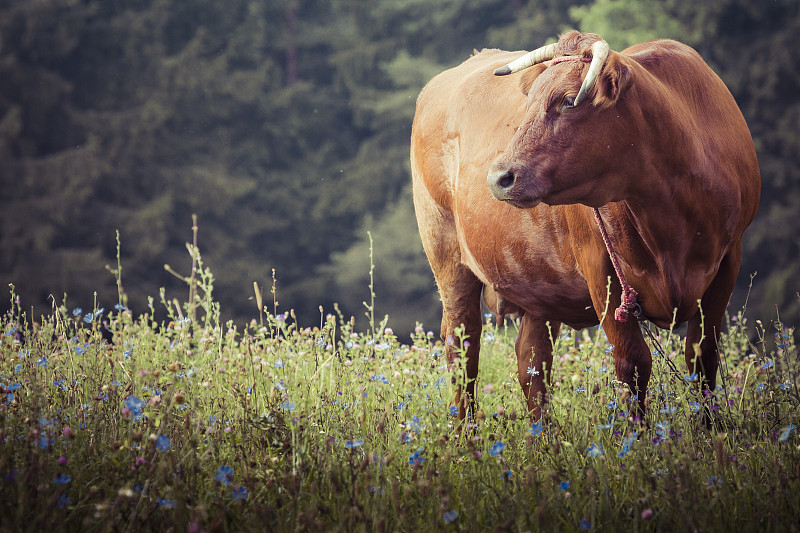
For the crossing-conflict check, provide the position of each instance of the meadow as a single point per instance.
(116, 422)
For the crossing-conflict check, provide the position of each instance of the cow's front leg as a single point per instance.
(632, 359)
(534, 349)
(459, 289)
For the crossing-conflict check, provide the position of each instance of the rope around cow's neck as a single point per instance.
(628, 299)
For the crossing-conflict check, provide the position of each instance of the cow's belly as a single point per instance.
(530, 268)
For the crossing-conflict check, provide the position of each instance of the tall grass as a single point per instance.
(110, 422)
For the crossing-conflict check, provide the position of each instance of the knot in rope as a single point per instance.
(629, 296)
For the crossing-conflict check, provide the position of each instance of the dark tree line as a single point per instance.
(284, 125)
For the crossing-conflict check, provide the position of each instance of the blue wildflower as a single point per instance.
(89, 318)
(279, 385)
(350, 444)
(564, 485)
(714, 481)
(416, 458)
(416, 424)
(77, 311)
(769, 364)
(163, 443)
(42, 362)
(287, 405)
(135, 406)
(627, 443)
(405, 437)
(595, 450)
(64, 501)
(584, 524)
(536, 429)
(224, 475)
(497, 448)
(691, 377)
(239, 493)
(166, 504)
(134, 403)
(786, 431)
(11, 331)
(449, 516)
(62, 479)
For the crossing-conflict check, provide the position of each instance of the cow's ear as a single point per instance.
(614, 79)
(529, 75)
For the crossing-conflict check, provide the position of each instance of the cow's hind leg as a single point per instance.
(703, 329)
(534, 349)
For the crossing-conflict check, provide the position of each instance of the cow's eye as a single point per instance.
(568, 102)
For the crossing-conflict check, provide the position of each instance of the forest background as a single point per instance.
(285, 125)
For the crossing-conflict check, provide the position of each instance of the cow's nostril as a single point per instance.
(501, 183)
(506, 179)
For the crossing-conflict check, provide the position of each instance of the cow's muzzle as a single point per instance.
(505, 186)
(501, 183)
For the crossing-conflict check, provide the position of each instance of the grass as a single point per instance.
(110, 422)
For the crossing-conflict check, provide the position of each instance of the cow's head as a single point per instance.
(563, 151)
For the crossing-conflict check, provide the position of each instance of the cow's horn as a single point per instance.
(599, 55)
(545, 53)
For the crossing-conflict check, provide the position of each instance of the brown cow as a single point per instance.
(655, 141)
